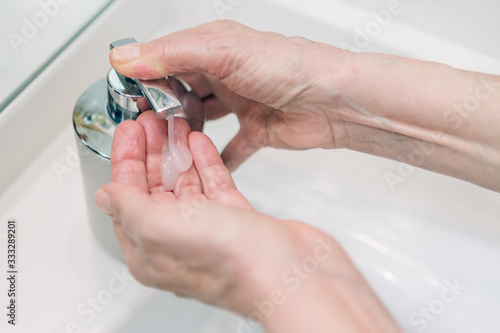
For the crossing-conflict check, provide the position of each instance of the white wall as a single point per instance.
(471, 23)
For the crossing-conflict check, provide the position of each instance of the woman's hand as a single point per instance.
(297, 94)
(203, 240)
(268, 80)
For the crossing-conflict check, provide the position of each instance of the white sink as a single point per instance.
(429, 243)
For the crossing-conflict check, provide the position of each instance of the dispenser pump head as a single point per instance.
(166, 96)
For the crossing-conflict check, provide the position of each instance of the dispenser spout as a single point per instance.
(160, 95)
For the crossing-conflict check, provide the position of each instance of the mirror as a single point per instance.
(34, 33)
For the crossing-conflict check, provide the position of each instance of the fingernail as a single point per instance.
(103, 201)
(126, 53)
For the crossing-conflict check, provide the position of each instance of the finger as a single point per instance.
(198, 83)
(128, 155)
(126, 204)
(209, 89)
(135, 214)
(180, 53)
(238, 150)
(162, 57)
(218, 184)
(189, 186)
(126, 242)
(144, 227)
(156, 135)
(155, 131)
(156, 138)
(143, 104)
(138, 213)
(225, 100)
(215, 108)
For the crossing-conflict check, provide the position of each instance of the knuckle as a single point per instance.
(226, 48)
(299, 40)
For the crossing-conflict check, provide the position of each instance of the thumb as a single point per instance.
(124, 202)
(196, 50)
(239, 149)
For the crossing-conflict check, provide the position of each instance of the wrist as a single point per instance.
(315, 285)
(335, 79)
(412, 111)
(329, 304)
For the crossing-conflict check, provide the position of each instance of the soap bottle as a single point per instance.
(98, 112)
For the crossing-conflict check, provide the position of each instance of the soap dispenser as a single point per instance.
(98, 112)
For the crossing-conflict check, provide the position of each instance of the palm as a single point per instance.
(137, 155)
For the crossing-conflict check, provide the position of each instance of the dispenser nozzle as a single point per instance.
(158, 92)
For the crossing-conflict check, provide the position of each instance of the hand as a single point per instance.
(266, 79)
(294, 93)
(203, 240)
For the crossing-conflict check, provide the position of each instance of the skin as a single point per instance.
(203, 240)
(297, 94)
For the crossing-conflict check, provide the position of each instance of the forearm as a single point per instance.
(426, 114)
(311, 287)
(330, 305)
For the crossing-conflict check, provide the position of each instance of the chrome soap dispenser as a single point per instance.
(101, 108)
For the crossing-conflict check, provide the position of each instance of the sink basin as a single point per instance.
(428, 244)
